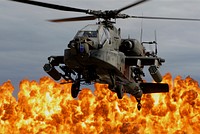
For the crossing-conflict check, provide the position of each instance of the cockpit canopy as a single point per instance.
(97, 33)
(89, 31)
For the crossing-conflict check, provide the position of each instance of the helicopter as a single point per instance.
(98, 54)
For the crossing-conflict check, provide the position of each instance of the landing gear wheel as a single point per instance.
(111, 86)
(139, 105)
(119, 90)
(75, 89)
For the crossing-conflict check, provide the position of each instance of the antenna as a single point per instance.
(155, 42)
(129, 36)
(141, 30)
(154, 53)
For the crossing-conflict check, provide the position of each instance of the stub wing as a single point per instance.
(143, 61)
(138, 62)
(154, 88)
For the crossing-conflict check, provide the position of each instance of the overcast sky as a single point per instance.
(27, 39)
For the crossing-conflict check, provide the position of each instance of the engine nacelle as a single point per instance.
(131, 47)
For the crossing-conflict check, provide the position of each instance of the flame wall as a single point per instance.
(47, 107)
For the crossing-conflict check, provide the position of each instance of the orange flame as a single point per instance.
(47, 107)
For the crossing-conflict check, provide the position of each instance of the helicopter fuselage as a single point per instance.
(96, 47)
(99, 56)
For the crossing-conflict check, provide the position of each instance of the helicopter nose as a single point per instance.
(81, 46)
(83, 49)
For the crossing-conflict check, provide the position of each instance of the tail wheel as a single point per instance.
(119, 90)
(75, 89)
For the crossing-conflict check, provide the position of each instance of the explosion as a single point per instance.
(47, 107)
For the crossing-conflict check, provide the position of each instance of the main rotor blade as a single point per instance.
(164, 18)
(52, 6)
(131, 5)
(74, 19)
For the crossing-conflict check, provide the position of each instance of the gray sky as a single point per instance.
(27, 39)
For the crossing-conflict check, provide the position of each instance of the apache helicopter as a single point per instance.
(97, 53)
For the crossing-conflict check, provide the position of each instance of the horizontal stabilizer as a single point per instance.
(154, 87)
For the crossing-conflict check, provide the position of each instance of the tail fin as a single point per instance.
(154, 87)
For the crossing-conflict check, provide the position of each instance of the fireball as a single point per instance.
(47, 107)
